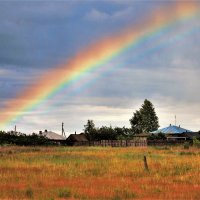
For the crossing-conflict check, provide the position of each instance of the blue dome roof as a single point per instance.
(172, 129)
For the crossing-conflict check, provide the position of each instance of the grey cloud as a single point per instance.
(33, 41)
(95, 14)
(32, 33)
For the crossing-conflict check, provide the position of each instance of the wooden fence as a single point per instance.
(128, 143)
(164, 142)
(113, 143)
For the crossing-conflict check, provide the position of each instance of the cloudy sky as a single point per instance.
(37, 36)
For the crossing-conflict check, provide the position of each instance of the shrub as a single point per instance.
(183, 153)
(29, 193)
(64, 193)
(124, 194)
(159, 136)
(10, 138)
(196, 142)
(186, 145)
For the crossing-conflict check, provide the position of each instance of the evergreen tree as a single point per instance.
(90, 130)
(136, 122)
(145, 120)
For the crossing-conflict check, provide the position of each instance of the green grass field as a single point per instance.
(99, 173)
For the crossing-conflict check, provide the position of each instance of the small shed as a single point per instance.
(142, 137)
(77, 140)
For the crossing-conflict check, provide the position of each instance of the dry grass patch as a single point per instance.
(99, 173)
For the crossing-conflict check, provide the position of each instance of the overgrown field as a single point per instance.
(99, 173)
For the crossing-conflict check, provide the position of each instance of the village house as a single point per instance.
(77, 140)
(54, 137)
(173, 132)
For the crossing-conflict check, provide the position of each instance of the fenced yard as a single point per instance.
(99, 173)
(143, 142)
(113, 143)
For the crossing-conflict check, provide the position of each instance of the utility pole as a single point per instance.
(175, 120)
(63, 131)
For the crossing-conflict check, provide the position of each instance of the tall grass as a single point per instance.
(99, 173)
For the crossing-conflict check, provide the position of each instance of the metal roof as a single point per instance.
(77, 138)
(53, 136)
(172, 129)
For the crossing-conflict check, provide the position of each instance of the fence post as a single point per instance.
(146, 164)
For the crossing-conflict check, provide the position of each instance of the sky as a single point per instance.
(38, 36)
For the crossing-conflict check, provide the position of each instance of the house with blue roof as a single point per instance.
(177, 132)
(172, 129)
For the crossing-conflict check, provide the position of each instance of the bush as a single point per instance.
(186, 145)
(159, 136)
(64, 193)
(124, 194)
(106, 133)
(196, 142)
(10, 138)
(29, 193)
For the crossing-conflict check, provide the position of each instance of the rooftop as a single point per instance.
(52, 136)
(77, 138)
(172, 129)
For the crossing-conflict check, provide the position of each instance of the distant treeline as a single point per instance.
(95, 134)
(105, 133)
(109, 133)
(22, 139)
(143, 120)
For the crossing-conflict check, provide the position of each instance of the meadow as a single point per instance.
(99, 173)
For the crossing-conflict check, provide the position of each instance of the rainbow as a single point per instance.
(93, 57)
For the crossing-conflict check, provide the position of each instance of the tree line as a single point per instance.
(12, 138)
(143, 120)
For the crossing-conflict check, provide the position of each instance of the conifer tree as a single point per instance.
(145, 120)
(90, 130)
